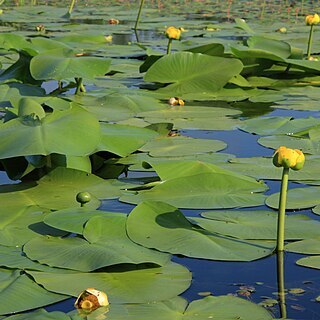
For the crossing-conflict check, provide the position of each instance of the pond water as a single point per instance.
(255, 281)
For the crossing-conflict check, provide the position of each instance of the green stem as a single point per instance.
(80, 86)
(169, 46)
(310, 41)
(281, 287)
(71, 6)
(139, 14)
(282, 209)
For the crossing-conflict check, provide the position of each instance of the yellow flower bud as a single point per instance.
(173, 33)
(312, 19)
(91, 299)
(288, 158)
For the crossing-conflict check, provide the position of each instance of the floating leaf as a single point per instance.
(188, 72)
(205, 186)
(107, 244)
(29, 136)
(259, 224)
(297, 198)
(128, 286)
(181, 146)
(19, 293)
(59, 64)
(311, 262)
(163, 227)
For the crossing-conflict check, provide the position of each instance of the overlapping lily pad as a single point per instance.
(163, 227)
(129, 285)
(105, 244)
(257, 224)
(192, 72)
(198, 185)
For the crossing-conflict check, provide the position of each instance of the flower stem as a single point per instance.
(71, 6)
(169, 46)
(282, 209)
(310, 42)
(139, 14)
(281, 287)
(80, 86)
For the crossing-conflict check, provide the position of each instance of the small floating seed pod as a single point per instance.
(91, 299)
(83, 198)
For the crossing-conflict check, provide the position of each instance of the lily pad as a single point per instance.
(259, 224)
(58, 190)
(123, 140)
(198, 185)
(19, 293)
(297, 198)
(308, 246)
(74, 219)
(135, 285)
(188, 72)
(59, 64)
(181, 146)
(29, 135)
(19, 226)
(107, 244)
(311, 262)
(163, 227)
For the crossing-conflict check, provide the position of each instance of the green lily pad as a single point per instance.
(179, 309)
(297, 198)
(198, 185)
(13, 258)
(29, 135)
(106, 244)
(20, 225)
(279, 125)
(135, 285)
(307, 246)
(188, 72)
(263, 168)
(304, 144)
(19, 293)
(194, 117)
(161, 226)
(74, 219)
(259, 224)
(59, 64)
(40, 314)
(181, 146)
(123, 140)
(310, 262)
(58, 190)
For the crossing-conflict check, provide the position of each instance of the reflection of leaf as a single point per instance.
(133, 285)
(107, 244)
(163, 227)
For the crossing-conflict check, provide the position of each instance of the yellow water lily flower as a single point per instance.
(312, 19)
(173, 33)
(91, 299)
(288, 158)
